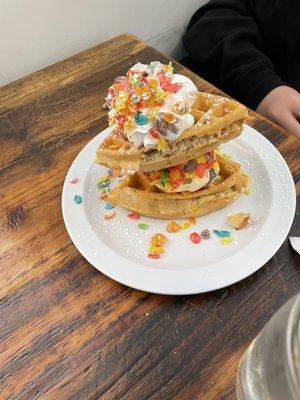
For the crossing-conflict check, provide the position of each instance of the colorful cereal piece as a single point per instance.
(192, 221)
(103, 184)
(202, 159)
(205, 234)
(152, 114)
(170, 68)
(181, 108)
(164, 177)
(154, 133)
(133, 215)
(156, 246)
(222, 234)
(141, 119)
(195, 237)
(153, 255)
(135, 79)
(190, 166)
(185, 225)
(158, 240)
(156, 249)
(104, 193)
(212, 174)
(109, 215)
(106, 190)
(200, 170)
(226, 240)
(134, 98)
(75, 180)
(77, 199)
(173, 227)
(143, 226)
(102, 179)
(169, 117)
(176, 176)
(108, 205)
(166, 85)
(120, 119)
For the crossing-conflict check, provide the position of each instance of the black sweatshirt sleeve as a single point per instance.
(224, 42)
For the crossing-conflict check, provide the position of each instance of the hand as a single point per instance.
(282, 105)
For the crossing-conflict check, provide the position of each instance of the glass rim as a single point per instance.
(292, 343)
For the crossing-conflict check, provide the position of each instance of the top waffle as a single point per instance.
(217, 120)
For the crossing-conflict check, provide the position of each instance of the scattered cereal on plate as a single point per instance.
(173, 227)
(154, 255)
(74, 180)
(185, 225)
(143, 226)
(108, 206)
(195, 237)
(77, 199)
(222, 234)
(226, 240)
(205, 234)
(156, 246)
(156, 249)
(133, 215)
(159, 239)
(109, 215)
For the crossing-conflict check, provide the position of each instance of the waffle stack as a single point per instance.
(181, 175)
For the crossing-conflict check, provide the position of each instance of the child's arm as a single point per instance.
(225, 43)
(229, 40)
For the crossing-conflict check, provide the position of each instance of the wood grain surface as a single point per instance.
(66, 330)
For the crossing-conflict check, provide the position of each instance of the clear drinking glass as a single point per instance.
(270, 367)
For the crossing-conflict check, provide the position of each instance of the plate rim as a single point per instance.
(81, 244)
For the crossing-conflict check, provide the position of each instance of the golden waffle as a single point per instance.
(136, 194)
(218, 119)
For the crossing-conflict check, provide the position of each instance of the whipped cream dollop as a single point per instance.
(151, 105)
(141, 134)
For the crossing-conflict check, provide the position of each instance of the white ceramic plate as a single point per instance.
(118, 248)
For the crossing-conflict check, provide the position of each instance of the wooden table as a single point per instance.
(69, 332)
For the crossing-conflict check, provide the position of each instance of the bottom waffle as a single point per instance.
(136, 194)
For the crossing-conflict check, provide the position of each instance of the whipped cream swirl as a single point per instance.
(151, 104)
(141, 134)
